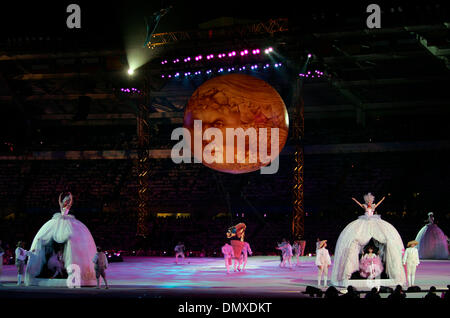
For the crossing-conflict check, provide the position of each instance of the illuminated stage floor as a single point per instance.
(206, 277)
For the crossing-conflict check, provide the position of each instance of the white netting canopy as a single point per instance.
(79, 247)
(355, 237)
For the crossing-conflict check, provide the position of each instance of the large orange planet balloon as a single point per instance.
(237, 101)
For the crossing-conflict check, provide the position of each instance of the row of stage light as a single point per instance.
(244, 68)
(221, 70)
(231, 54)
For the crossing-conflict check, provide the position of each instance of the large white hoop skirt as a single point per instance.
(79, 248)
(352, 240)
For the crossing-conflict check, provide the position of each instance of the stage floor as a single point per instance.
(206, 277)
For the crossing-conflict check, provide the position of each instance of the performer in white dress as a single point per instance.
(433, 243)
(357, 235)
(411, 260)
(228, 255)
(78, 246)
(323, 261)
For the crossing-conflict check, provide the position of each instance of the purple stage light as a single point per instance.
(309, 55)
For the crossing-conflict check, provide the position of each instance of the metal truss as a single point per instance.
(298, 132)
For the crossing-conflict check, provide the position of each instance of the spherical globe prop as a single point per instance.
(236, 123)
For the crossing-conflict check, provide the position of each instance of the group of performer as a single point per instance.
(370, 265)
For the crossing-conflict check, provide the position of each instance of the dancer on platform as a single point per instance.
(370, 265)
(323, 261)
(368, 228)
(228, 255)
(244, 256)
(411, 260)
(298, 251)
(369, 205)
(100, 265)
(21, 255)
(433, 243)
(179, 251)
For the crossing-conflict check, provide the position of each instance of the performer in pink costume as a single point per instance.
(298, 251)
(228, 254)
(370, 265)
(244, 256)
(286, 249)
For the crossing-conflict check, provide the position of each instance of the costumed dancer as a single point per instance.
(100, 265)
(244, 256)
(411, 260)
(56, 264)
(323, 261)
(21, 255)
(298, 251)
(357, 234)
(369, 206)
(228, 255)
(78, 246)
(179, 251)
(370, 265)
(433, 243)
(237, 234)
(286, 249)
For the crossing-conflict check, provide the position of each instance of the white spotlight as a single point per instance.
(130, 71)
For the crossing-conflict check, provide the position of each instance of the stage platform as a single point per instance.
(206, 277)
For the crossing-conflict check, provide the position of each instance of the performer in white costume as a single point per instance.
(411, 260)
(228, 255)
(79, 247)
(323, 261)
(355, 237)
(433, 243)
(21, 256)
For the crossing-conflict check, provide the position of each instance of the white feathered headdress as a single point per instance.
(369, 198)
